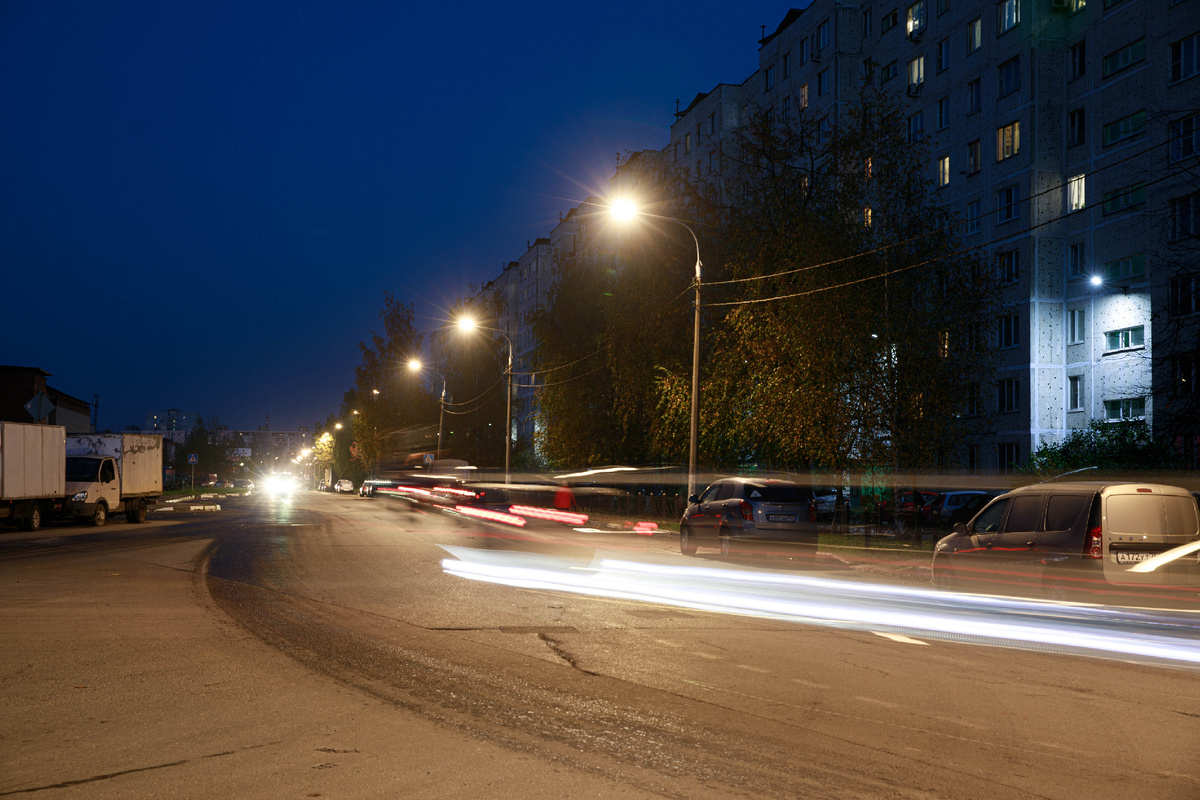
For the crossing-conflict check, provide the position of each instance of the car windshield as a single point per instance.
(776, 493)
(82, 470)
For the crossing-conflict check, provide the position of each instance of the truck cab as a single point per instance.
(93, 487)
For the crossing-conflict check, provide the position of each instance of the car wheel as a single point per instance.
(99, 516)
(34, 521)
(137, 513)
(726, 549)
(943, 579)
(687, 542)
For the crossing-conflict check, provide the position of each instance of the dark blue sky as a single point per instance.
(203, 204)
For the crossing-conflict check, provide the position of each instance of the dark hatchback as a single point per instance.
(734, 510)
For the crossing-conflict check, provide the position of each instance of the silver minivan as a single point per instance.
(1080, 540)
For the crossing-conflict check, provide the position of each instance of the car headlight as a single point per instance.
(80, 497)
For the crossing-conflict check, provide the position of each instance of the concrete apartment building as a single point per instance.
(1059, 132)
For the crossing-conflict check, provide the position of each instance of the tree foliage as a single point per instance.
(1106, 446)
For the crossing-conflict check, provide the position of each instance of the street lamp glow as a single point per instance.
(1097, 280)
(466, 323)
(414, 364)
(338, 425)
(623, 209)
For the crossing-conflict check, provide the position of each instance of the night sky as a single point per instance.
(202, 204)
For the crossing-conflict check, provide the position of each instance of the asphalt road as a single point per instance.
(331, 646)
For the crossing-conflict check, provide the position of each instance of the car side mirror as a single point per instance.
(694, 499)
(960, 528)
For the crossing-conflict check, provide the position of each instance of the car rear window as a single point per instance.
(777, 493)
(1064, 509)
(1152, 515)
(1181, 516)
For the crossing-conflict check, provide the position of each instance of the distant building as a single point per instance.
(21, 385)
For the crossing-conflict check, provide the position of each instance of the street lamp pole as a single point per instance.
(415, 365)
(627, 210)
(466, 324)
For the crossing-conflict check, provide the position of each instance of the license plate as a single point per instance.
(1133, 558)
(781, 517)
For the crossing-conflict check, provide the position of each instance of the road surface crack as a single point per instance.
(559, 651)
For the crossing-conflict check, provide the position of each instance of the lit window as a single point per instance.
(1124, 339)
(1075, 193)
(916, 71)
(1008, 141)
(803, 96)
(916, 17)
(943, 171)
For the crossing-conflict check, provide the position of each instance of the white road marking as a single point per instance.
(896, 637)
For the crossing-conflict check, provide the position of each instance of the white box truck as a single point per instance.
(113, 473)
(32, 476)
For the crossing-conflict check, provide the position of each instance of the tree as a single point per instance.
(1105, 446)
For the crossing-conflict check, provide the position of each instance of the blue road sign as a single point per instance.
(429, 458)
(193, 458)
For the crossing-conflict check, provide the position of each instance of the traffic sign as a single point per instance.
(428, 458)
(193, 458)
(39, 407)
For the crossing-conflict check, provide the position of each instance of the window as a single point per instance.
(802, 98)
(1077, 59)
(1127, 55)
(1185, 58)
(1125, 268)
(942, 7)
(1183, 299)
(943, 55)
(1124, 198)
(868, 69)
(786, 65)
(916, 17)
(1008, 395)
(1183, 374)
(1008, 141)
(1076, 191)
(1075, 260)
(1185, 138)
(1008, 200)
(973, 215)
(866, 18)
(972, 459)
(802, 51)
(943, 171)
(1075, 332)
(974, 35)
(1185, 216)
(1124, 128)
(974, 400)
(1075, 393)
(974, 96)
(824, 128)
(916, 127)
(916, 70)
(712, 122)
(769, 75)
(1009, 77)
(867, 217)
(1008, 455)
(1076, 127)
(823, 34)
(1010, 266)
(1009, 331)
(1129, 408)
(822, 83)
(687, 143)
(888, 22)
(973, 157)
(1009, 12)
(943, 113)
(787, 107)
(889, 71)
(1124, 339)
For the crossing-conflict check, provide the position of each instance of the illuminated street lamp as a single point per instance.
(416, 366)
(469, 324)
(625, 210)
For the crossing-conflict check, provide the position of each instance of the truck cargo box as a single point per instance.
(138, 456)
(32, 461)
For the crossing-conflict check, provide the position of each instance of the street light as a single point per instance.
(469, 324)
(416, 366)
(625, 210)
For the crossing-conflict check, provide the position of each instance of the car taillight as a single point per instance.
(812, 512)
(747, 511)
(1091, 544)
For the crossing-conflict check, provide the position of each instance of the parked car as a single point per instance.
(343, 485)
(750, 510)
(946, 503)
(1085, 540)
(970, 506)
(904, 504)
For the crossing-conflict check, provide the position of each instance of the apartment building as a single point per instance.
(1061, 132)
